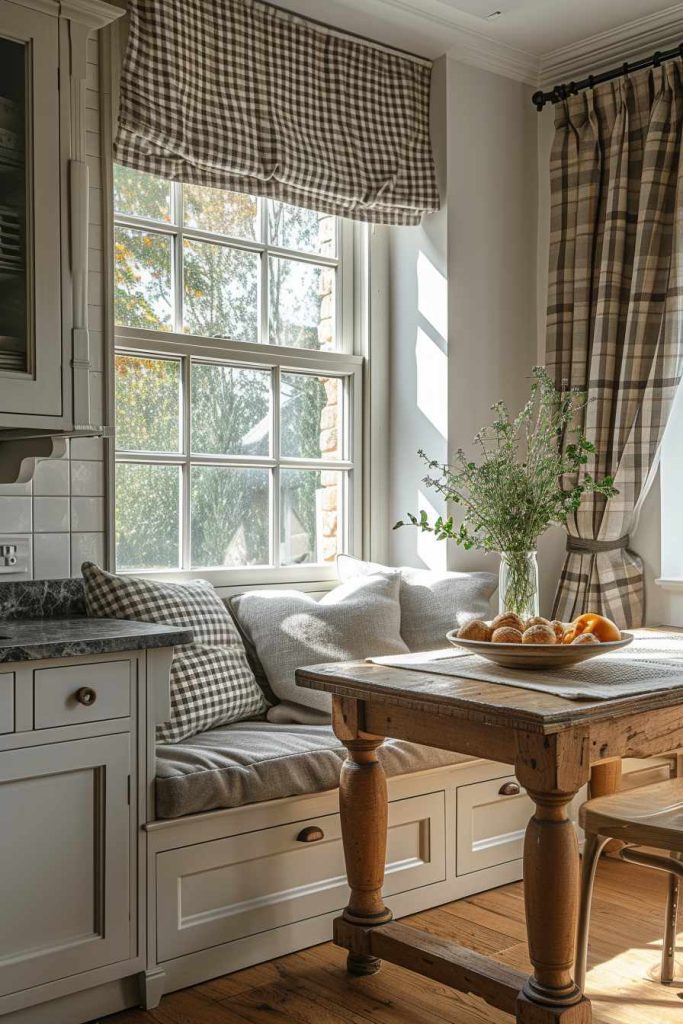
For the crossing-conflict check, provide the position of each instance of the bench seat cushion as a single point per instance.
(249, 762)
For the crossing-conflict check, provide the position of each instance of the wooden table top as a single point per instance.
(474, 699)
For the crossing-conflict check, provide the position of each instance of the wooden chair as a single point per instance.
(650, 816)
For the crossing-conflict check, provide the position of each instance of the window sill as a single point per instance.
(670, 582)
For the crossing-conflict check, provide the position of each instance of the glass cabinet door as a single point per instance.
(14, 341)
(32, 173)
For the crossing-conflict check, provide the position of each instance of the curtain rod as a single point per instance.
(561, 92)
(346, 33)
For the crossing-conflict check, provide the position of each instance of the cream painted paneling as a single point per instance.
(61, 513)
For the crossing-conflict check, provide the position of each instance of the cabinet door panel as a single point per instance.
(30, 270)
(64, 871)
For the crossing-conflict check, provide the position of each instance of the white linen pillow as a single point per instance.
(290, 629)
(211, 681)
(431, 602)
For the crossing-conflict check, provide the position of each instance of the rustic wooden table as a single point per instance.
(552, 743)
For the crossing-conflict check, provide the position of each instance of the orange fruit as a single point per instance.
(604, 629)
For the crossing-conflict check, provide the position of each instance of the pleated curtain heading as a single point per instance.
(240, 95)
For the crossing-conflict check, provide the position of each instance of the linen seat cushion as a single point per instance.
(211, 681)
(431, 602)
(289, 630)
(249, 762)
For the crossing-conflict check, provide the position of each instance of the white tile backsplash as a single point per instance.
(50, 515)
(87, 514)
(15, 514)
(51, 556)
(87, 478)
(51, 478)
(86, 547)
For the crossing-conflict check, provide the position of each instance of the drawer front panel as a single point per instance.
(6, 702)
(490, 824)
(219, 891)
(81, 693)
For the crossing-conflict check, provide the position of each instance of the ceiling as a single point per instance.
(527, 30)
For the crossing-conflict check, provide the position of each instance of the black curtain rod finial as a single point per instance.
(561, 92)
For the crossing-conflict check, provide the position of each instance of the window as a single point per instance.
(237, 391)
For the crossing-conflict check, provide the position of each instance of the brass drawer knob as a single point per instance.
(311, 834)
(86, 696)
(510, 789)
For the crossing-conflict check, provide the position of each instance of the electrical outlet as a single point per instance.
(8, 554)
(15, 557)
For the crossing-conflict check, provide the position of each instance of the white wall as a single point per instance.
(464, 297)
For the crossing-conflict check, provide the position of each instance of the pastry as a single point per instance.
(604, 629)
(559, 630)
(585, 638)
(475, 630)
(506, 635)
(507, 619)
(539, 634)
(537, 620)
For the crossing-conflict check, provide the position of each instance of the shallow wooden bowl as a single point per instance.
(537, 656)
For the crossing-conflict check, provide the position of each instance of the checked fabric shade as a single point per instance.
(240, 95)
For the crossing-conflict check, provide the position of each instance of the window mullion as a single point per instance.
(178, 257)
(264, 279)
(186, 510)
(275, 474)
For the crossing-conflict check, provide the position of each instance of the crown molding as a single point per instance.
(629, 41)
(491, 55)
(473, 47)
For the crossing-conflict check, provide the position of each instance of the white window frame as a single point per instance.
(347, 361)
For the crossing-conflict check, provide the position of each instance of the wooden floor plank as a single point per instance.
(312, 987)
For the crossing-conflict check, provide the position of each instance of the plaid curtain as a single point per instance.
(615, 312)
(240, 95)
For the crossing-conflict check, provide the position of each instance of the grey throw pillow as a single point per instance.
(211, 682)
(290, 630)
(431, 602)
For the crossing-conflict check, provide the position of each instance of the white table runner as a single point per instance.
(654, 661)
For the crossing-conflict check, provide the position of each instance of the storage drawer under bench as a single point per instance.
(226, 889)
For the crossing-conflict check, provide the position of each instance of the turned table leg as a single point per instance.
(552, 769)
(363, 808)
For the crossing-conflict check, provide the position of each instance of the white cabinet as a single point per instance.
(64, 859)
(44, 196)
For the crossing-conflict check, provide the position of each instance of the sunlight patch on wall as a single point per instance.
(432, 295)
(432, 553)
(431, 381)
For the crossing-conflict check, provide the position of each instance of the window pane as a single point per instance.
(141, 195)
(311, 416)
(230, 516)
(147, 404)
(147, 516)
(301, 304)
(292, 227)
(231, 410)
(311, 504)
(142, 279)
(225, 213)
(220, 291)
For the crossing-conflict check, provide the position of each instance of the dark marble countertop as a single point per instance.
(32, 639)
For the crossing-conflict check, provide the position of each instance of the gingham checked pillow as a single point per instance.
(211, 682)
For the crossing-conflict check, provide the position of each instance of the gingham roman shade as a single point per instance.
(615, 312)
(240, 95)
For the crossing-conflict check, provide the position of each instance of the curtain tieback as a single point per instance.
(585, 546)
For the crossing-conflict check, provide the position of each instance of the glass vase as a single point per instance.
(518, 583)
